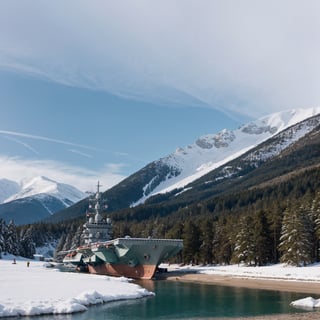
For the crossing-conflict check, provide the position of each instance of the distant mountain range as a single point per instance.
(210, 161)
(35, 199)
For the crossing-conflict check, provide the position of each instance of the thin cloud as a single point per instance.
(240, 55)
(86, 155)
(27, 146)
(36, 137)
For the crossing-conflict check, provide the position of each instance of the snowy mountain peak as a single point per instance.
(39, 186)
(35, 199)
(285, 119)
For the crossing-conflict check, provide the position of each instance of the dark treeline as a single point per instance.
(275, 221)
(15, 242)
(279, 221)
(259, 236)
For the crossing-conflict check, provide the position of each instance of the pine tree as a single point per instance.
(295, 241)
(28, 248)
(244, 250)
(275, 216)
(206, 254)
(3, 231)
(315, 210)
(261, 242)
(223, 241)
(191, 242)
(12, 243)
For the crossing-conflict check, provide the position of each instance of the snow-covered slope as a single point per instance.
(214, 150)
(40, 186)
(35, 199)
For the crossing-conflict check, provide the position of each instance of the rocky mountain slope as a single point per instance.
(209, 161)
(212, 151)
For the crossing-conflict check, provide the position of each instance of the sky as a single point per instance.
(96, 90)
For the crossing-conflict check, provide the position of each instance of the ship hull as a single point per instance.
(144, 272)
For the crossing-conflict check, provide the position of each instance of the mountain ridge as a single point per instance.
(234, 143)
(144, 183)
(292, 173)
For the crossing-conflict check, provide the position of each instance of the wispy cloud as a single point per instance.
(86, 155)
(18, 168)
(36, 137)
(225, 53)
(27, 146)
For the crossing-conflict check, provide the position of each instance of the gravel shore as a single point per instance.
(295, 316)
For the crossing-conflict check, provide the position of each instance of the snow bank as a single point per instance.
(271, 272)
(306, 303)
(35, 290)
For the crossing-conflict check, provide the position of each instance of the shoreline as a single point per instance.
(307, 287)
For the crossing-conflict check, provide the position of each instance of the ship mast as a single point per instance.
(96, 228)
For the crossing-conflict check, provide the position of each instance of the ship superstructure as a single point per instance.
(97, 228)
(130, 257)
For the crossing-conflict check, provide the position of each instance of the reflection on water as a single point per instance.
(150, 285)
(178, 300)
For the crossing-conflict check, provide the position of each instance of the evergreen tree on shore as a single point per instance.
(2, 233)
(12, 243)
(295, 241)
(191, 239)
(244, 245)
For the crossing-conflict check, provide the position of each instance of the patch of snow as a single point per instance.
(306, 303)
(36, 290)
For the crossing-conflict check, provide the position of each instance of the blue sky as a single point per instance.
(97, 89)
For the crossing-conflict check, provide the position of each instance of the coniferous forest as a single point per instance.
(279, 223)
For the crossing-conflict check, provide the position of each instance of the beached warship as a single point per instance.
(136, 258)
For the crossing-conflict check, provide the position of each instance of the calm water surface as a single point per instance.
(178, 300)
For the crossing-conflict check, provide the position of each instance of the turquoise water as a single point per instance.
(178, 300)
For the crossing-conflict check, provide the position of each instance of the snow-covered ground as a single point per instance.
(36, 290)
(272, 272)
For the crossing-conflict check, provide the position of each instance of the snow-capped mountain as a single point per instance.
(211, 159)
(214, 150)
(35, 199)
(41, 186)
